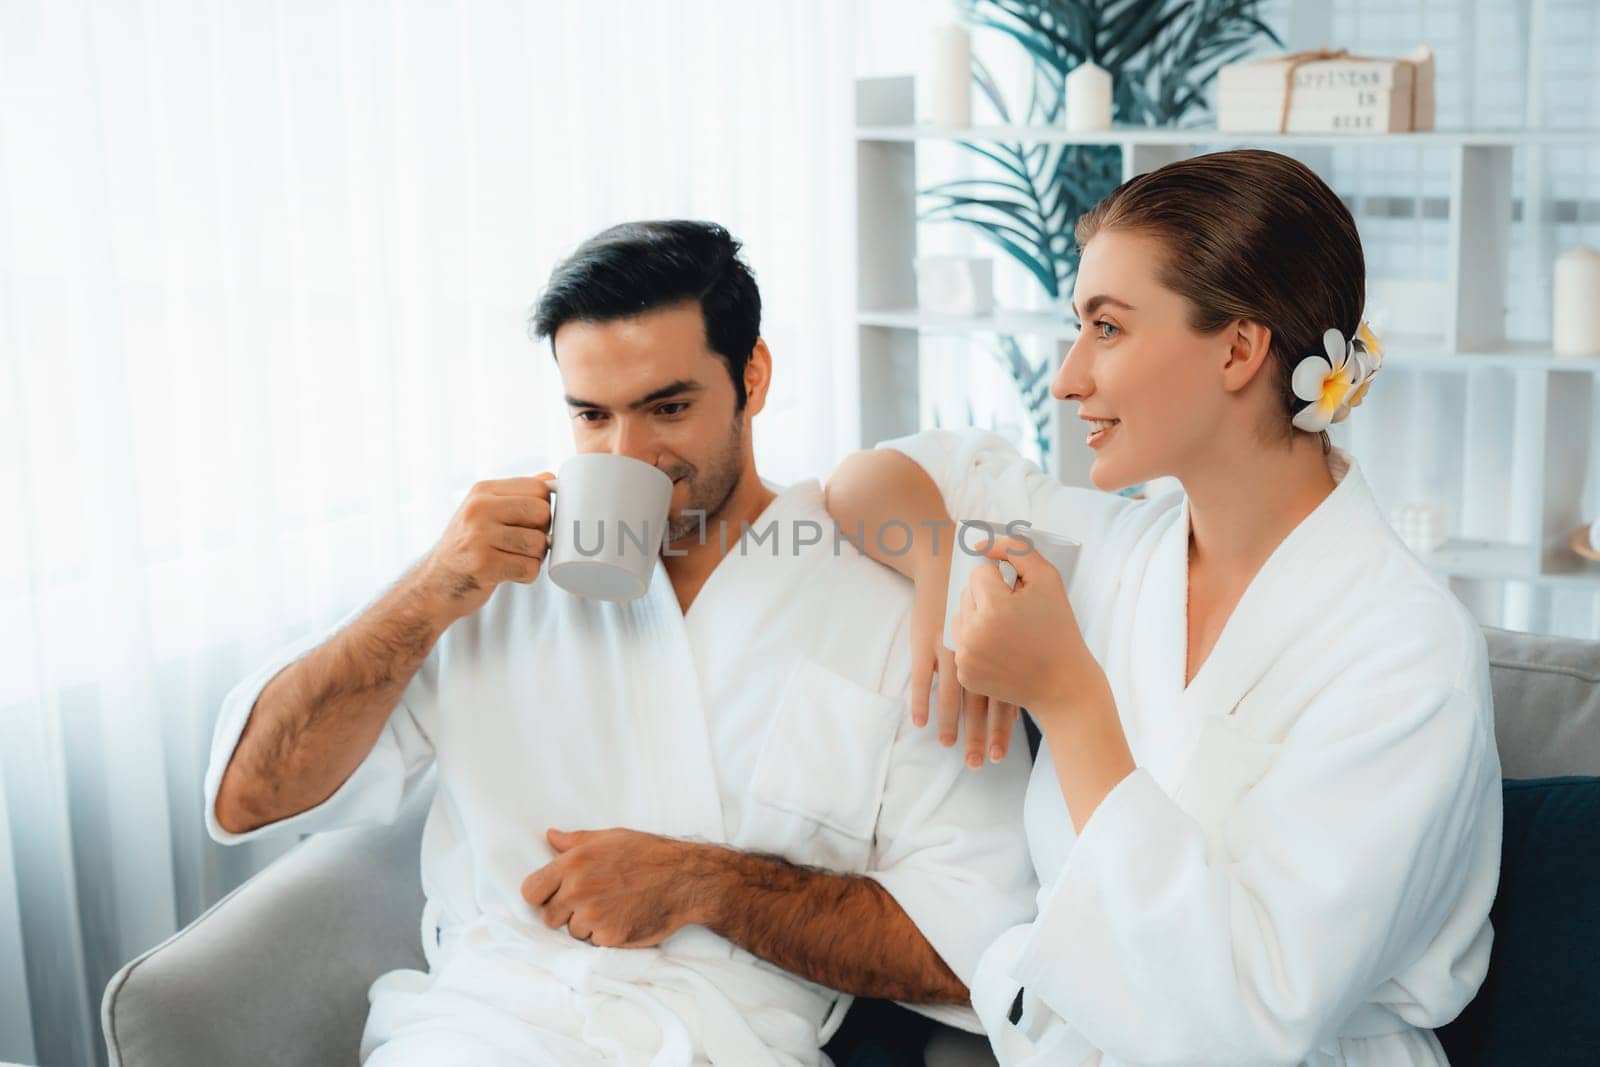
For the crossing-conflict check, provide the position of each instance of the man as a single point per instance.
(683, 829)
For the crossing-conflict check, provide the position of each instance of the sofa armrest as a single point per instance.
(277, 971)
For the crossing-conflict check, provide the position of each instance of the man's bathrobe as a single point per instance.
(771, 717)
(1301, 867)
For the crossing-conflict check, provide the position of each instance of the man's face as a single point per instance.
(649, 387)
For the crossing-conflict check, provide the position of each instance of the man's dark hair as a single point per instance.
(636, 267)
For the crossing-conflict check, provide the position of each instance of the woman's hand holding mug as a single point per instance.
(1020, 642)
(969, 694)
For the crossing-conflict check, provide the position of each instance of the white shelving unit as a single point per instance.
(1550, 395)
(1137, 136)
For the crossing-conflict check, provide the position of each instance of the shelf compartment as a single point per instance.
(1498, 561)
(1134, 136)
(1404, 353)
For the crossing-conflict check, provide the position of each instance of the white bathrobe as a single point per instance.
(1301, 867)
(771, 717)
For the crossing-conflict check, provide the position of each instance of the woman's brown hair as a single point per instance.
(1249, 235)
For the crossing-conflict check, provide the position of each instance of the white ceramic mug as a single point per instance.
(608, 516)
(966, 555)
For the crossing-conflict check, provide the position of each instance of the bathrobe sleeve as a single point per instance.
(1367, 851)
(378, 787)
(949, 847)
(981, 476)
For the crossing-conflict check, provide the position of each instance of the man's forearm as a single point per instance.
(317, 719)
(842, 931)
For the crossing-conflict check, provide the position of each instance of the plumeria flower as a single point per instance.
(1334, 385)
(1368, 344)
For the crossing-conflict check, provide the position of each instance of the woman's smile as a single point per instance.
(1100, 429)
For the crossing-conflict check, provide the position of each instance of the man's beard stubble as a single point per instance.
(710, 490)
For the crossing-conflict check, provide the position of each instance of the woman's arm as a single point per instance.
(869, 492)
(872, 489)
(1359, 868)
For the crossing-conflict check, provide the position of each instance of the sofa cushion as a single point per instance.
(1546, 703)
(1538, 1003)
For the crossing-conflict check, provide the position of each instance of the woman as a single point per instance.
(1265, 815)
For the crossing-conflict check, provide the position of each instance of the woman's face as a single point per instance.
(1138, 364)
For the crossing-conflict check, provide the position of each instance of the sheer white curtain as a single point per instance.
(264, 270)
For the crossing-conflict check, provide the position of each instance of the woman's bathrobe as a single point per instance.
(1301, 866)
(771, 718)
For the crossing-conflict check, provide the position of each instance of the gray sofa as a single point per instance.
(277, 971)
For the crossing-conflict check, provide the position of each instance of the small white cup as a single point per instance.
(955, 285)
(607, 520)
(966, 556)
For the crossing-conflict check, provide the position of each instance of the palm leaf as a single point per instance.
(1015, 215)
(1025, 376)
(986, 85)
(1040, 50)
(1162, 55)
(1027, 238)
(1013, 168)
(1137, 30)
(967, 186)
(1146, 33)
(1041, 270)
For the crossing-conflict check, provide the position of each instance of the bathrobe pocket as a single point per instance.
(826, 758)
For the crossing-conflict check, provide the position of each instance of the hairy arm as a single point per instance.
(317, 718)
(842, 931)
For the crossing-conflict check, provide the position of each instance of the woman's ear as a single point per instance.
(1249, 350)
(757, 378)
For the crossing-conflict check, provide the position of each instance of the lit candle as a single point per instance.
(948, 69)
(1576, 302)
(1088, 97)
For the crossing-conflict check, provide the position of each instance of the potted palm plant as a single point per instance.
(1162, 56)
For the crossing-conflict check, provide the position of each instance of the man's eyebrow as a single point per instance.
(677, 388)
(1096, 301)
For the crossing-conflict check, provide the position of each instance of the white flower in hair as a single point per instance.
(1334, 385)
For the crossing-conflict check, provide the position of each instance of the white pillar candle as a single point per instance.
(1088, 97)
(947, 68)
(1576, 302)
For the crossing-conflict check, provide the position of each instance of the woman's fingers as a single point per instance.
(970, 706)
(949, 697)
(975, 713)
(1002, 716)
(927, 629)
(922, 669)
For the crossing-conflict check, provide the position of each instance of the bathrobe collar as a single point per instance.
(1309, 567)
(741, 564)
(739, 584)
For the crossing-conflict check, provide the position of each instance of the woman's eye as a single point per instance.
(1100, 324)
